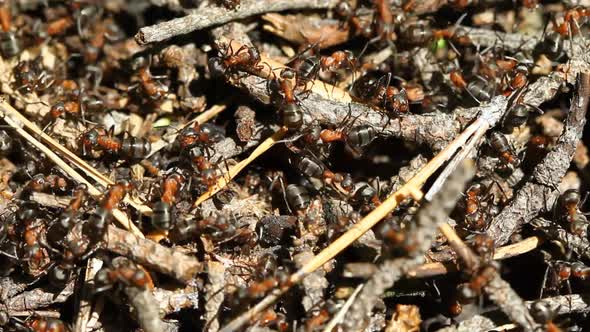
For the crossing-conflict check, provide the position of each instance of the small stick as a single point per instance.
(40, 313)
(440, 268)
(17, 118)
(152, 255)
(562, 304)
(342, 312)
(211, 16)
(146, 308)
(236, 169)
(9, 114)
(39, 298)
(85, 306)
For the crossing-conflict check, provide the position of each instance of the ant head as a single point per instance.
(216, 67)
(287, 73)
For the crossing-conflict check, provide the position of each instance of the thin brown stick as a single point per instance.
(236, 169)
(211, 16)
(440, 268)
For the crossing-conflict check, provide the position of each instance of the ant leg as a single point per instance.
(97, 75)
(544, 281)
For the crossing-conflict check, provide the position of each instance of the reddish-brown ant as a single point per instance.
(570, 25)
(98, 139)
(163, 217)
(44, 183)
(97, 224)
(59, 26)
(570, 201)
(9, 43)
(30, 76)
(481, 278)
(42, 324)
(124, 272)
(502, 147)
(66, 220)
(246, 58)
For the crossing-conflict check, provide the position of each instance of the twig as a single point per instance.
(171, 302)
(211, 16)
(85, 306)
(342, 312)
(152, 255)
(39, 313)
(433, 214)
(439, 268)
(15, 120)
(236, 169)
(578, 244)
(214, 296)
(435, 129)
(146, 308)
(539, 194)
(39, 298)
(410, 189)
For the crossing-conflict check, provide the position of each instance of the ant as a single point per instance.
(122, 272)
(380, 94)
(76, 103)
(483, 245)
(246, 58)
(154, 89)
(338, 60)
(98, 139)
(61, 273)
(30, 76)
(42, 324)
(163, 217)
(505, 151)
(33, 247)
(544, 314)
(10, 45)
(570, 201)
(297, 197)
(98, 222)
(481, 278)
(356, 138)
(59, 26)
(570, 25)
(475, 197)
(290, 109)
(66, 220)
(44, 183)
